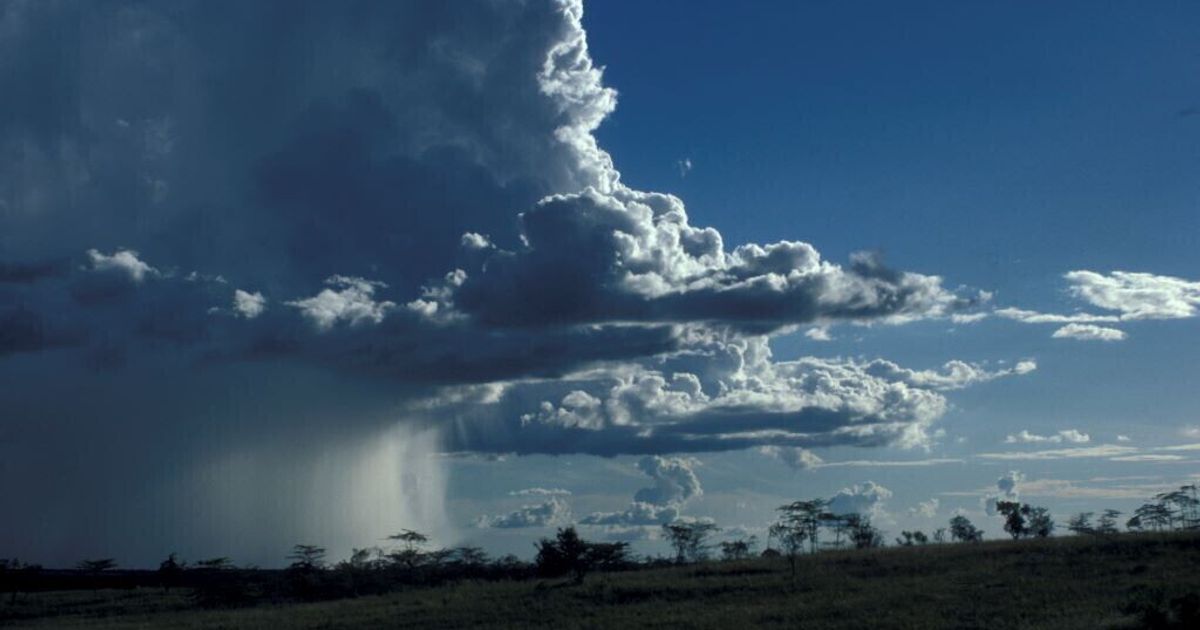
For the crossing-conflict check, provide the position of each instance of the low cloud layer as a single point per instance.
(548, 513)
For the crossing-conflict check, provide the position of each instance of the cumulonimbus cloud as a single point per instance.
(415, 194)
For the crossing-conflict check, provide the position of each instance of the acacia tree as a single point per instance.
(739, 549)
(307, 558)
(963, 530)
(689, 539)
(807, 516)
(1107, 524)
(98, 566)
(411, 552)
(1081, 523)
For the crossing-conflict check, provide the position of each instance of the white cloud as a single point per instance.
(684, 166)
(124, 261)
(865, 498)
(1089, 332)
(818, 333)
(1123, 438)
(351, 300)
(925, 509)
(795, 457)
(249, 305)
(953, 375)
(968, 318)
(638, 513)
(1072, 436)
(675, 481)
(552, 512)
(1034, 317)
(539, 492)
(1137, 295)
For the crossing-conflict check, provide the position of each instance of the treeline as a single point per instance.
(406, 559)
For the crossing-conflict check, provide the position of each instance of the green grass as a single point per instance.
(1059, 583)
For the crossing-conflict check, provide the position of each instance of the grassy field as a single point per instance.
(1058, 583)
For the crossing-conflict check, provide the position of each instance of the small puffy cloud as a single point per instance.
(548, 513)
(925, 509)
(124, 261)
(539, 492)
(1137, 295)
(864, 498)
(793, 456)
(473, 240)
(818, 333)
(350, 300)
(249, 305)
(968, 318)
(1123, 438)
(1071, 436)
(1089, 332)
(684, 166)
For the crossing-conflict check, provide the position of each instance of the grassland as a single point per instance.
(1071, 582)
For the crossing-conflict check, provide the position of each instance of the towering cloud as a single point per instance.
(415, 194)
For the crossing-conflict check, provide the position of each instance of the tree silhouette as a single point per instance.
(1014, 519)
(221, 563)
(411, 554)
(169, 571)
(689, 539)
(963, 530)
(1081, 523)
(568, 553)
(807, 516)
(863, 534)
(1107, 524)
(739, 549)
(307, 558)
(909, 539)
(96, 567)
(1040, 522)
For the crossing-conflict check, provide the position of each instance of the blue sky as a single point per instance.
(354, 271)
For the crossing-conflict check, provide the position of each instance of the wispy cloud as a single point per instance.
(1072, 436)
(1089, 332)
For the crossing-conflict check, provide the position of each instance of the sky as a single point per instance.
(304, 272)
